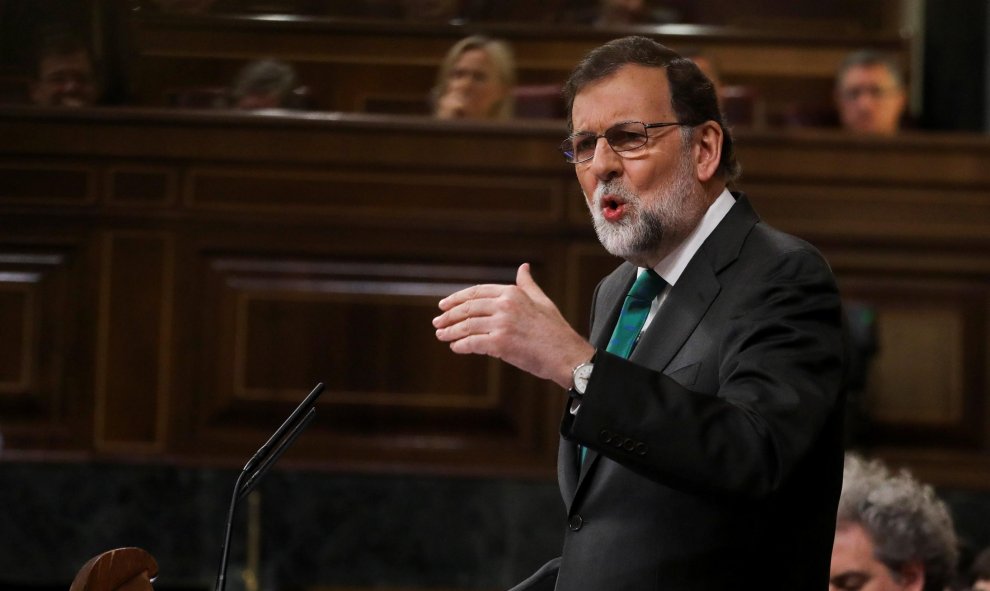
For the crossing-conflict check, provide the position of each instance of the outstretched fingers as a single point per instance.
(467, 294)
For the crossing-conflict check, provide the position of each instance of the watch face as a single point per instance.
(581, 375)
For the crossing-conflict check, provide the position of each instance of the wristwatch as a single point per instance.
(581, 375)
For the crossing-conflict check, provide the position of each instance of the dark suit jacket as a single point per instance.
(715, 457)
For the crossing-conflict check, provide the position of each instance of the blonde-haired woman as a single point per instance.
(475, 80)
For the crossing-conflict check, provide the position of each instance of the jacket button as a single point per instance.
(605, 436)
(641, 449)
(628, 445)
(575, 522)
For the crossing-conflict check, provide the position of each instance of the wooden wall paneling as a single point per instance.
(141, 185)
(407, 194)
(276, 326)
(254, 234)
(587, 264)
(18, 318)
(39, 383)
(926, 379)
(38, 182)
(134, 321)
(835, 188)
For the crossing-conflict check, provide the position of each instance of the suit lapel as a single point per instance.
(683, 309)
(696, 289)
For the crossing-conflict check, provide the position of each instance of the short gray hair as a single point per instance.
(867, 58)
(904, 518)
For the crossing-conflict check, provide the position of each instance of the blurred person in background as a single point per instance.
(892, 532)
(616, 13)
(264, 84)
(870, 94)
(65, 72)
(619, 13)
(475, 80)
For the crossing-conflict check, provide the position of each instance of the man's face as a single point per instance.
(855, 567)
(870, 101)
(645, 201)
(65, 81)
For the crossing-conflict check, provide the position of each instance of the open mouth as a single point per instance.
(612, 208)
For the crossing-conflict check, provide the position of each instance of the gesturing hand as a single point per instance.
(516, 323)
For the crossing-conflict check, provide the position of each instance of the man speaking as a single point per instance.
(701, 445)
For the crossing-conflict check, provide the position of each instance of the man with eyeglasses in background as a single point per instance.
(701, 445)
(870, 94)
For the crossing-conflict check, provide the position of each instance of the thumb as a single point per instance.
(524, 279)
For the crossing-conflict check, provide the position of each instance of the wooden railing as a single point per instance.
(171, 283)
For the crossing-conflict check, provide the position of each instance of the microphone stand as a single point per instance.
(260, 463)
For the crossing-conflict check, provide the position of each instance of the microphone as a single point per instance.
(260, 463)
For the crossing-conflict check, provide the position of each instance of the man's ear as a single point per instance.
(707, 149)
(912, 576)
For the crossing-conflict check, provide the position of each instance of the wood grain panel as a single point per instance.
(373, 345)
(30, 290)
(588, 264)
(134, 349)
(927, 373)
(412, 194)
(39, 400)
(888, 211)
(364, 329)
(18, 342)
(141, 185)
(46, 184)
(918, 378)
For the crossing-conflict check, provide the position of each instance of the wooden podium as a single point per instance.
(123, 569)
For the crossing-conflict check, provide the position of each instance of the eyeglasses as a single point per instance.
(622, 137)
(853, 93)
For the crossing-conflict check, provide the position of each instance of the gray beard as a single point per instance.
(640, 234)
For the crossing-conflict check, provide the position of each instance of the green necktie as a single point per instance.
(635, 309)
(634, 312)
